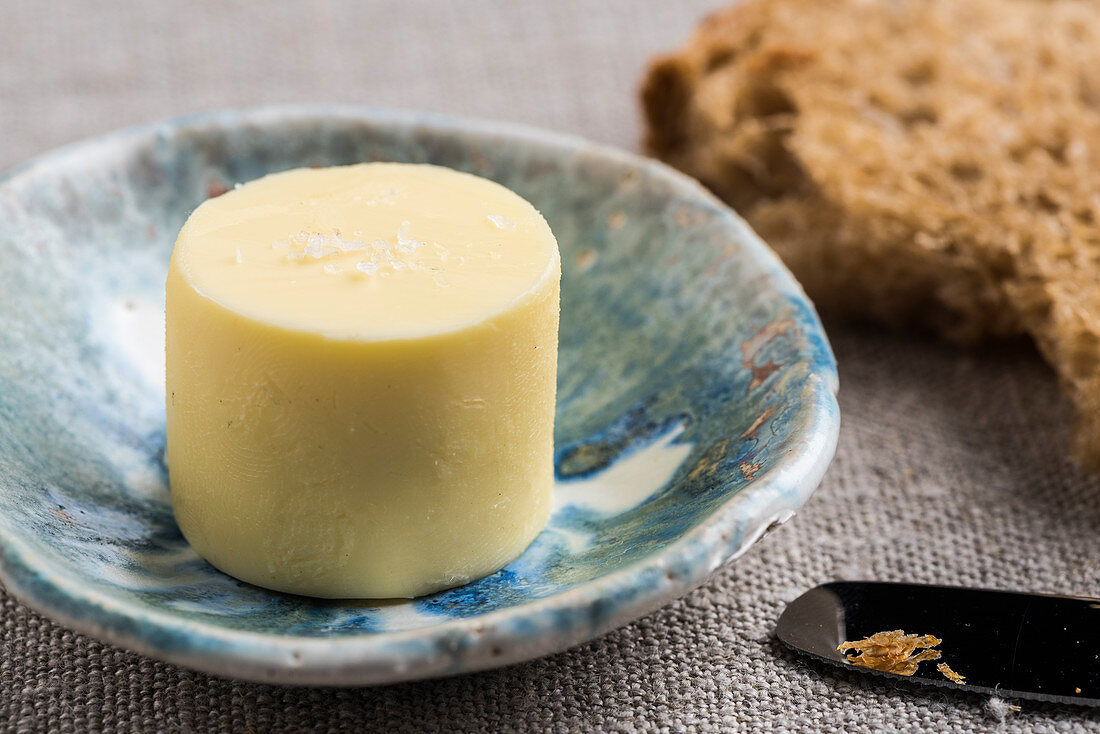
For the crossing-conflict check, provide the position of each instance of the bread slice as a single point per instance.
(930, 163)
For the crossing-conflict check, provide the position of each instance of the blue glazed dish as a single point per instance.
(696, 399)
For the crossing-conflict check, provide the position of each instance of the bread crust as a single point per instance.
(922, 163)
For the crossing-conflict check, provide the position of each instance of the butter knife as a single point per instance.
(1008, 644)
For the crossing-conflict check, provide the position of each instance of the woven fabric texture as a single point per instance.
(950, 469)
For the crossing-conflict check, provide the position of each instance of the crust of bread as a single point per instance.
(927, 163)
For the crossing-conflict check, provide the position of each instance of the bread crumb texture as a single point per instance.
(891, 652)
(950, 674)
(926, 163)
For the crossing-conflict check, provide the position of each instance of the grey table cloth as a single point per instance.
(951, 466)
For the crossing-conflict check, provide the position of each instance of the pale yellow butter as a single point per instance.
(361, 366)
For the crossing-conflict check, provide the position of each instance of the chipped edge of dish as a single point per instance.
(454, 646)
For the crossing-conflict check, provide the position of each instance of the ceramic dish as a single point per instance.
(696, 399)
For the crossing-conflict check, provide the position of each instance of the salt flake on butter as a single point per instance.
(405, 243)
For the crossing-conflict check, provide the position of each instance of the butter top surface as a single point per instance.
(373, 251)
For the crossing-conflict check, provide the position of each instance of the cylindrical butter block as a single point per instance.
(361, 368)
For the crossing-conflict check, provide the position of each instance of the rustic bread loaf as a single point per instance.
(919, 162)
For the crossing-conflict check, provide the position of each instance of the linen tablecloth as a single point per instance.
(951, 467)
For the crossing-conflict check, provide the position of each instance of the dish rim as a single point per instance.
(767, 500)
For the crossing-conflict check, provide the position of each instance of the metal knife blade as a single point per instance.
(1009, 644)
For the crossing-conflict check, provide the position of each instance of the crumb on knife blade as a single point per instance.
(892, 651)
(950, 674)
